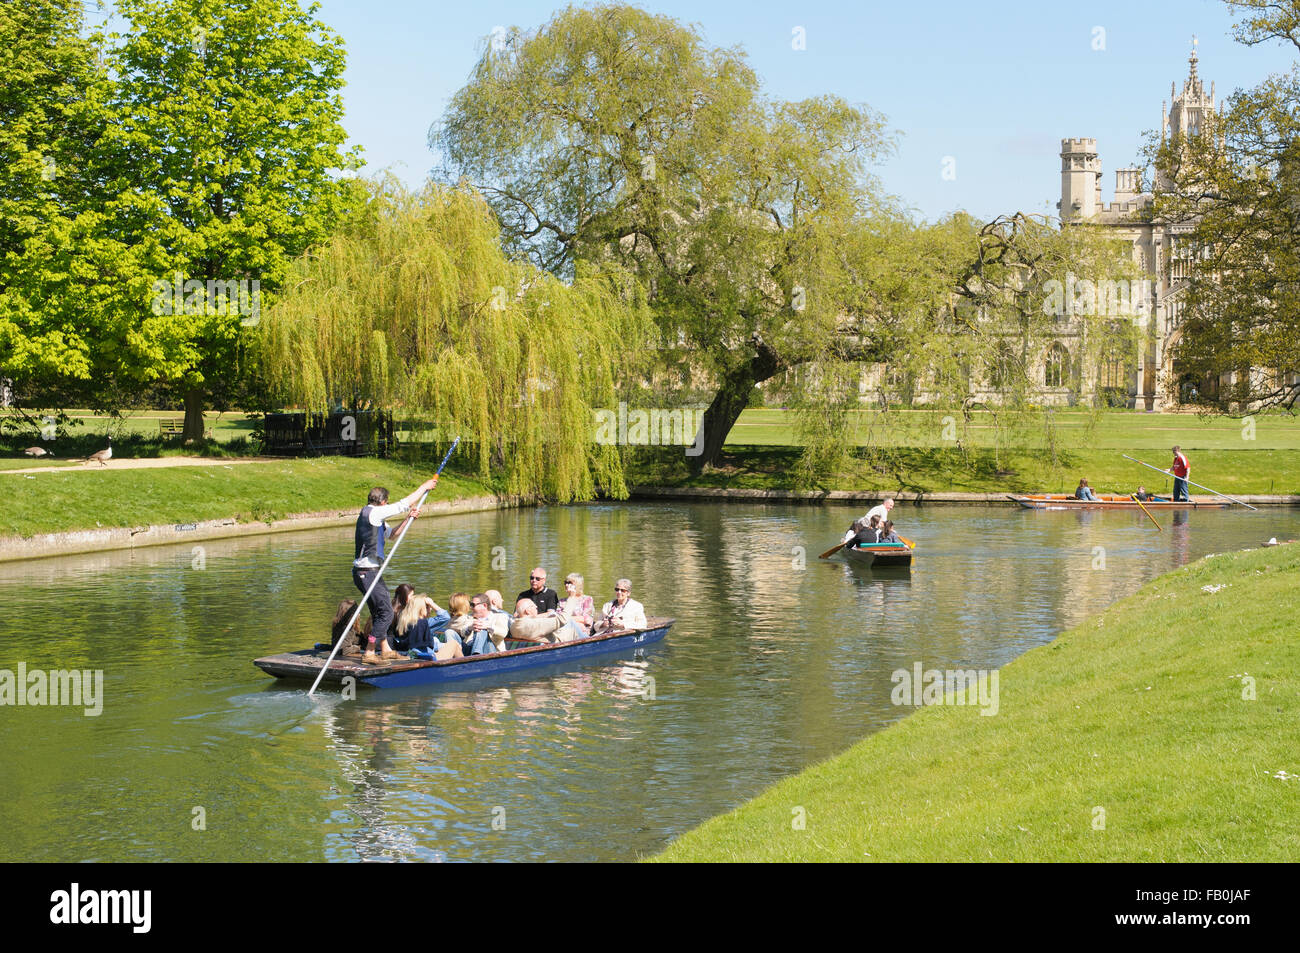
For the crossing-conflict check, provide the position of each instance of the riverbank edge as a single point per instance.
(718, 837)
(78, 542)
(868, 496)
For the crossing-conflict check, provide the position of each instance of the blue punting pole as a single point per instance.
(374, 582)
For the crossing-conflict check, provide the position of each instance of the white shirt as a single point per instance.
(878, 510)
(631, 615)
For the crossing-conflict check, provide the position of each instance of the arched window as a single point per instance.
(1054, 366)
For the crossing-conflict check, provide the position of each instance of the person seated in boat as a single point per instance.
(401, 599)
(866, 534)
(545, 599)
(1143, 496)
(1084, 492)
(353, 638)
(529, 625)
(495, 600)
(887, 534)
(880, 511)
(579, 610)
(486, 632)
(422, 624)
(461, 614)
(621, 612)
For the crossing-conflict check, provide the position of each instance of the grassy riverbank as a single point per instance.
(934, 470)
(932, 451)
(1129, 738)
(94, 497)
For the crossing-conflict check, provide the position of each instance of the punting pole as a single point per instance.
(1145, 510)
(374, 582)
(1189, 482)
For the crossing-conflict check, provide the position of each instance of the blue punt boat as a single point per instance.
(307, 663)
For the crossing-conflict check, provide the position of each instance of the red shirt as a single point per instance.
(1179, 468)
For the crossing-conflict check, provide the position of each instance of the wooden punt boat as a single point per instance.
(881, 556)
(1061, 501)
(306, 664)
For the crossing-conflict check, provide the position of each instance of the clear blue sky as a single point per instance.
(996, 85)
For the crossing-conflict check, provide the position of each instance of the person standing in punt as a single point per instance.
(371, 533)
(621, 612)
(1180, 469)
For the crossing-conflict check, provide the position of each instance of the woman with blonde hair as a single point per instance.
(422, 624)
(578, 609)
(461, 617)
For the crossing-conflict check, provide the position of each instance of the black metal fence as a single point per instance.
(360, 433)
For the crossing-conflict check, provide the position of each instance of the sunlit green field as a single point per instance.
(1161, 730)
(95, 497)
(1077, 429)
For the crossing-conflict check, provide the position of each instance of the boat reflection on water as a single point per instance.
(878, 588)
(1179, 531)
(407, 758)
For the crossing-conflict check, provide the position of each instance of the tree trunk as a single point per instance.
(193, 415)
(732, 398)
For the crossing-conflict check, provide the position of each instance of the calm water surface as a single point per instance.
(777, 660)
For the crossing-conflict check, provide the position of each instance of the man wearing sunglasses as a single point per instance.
(622, 612)
(545, 599)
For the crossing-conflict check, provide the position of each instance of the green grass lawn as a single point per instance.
(94, 497)
(934, 470)
(224, 425)
(1124, 430)
(909, 452)
(1129, 738)
(906, 451)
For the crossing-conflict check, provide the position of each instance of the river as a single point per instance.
(777, 660)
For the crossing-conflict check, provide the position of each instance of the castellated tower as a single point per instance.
(1080, 180)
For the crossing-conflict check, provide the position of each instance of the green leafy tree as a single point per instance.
(614, 135)
(224, 158)
(414, 305)
(1236, 184)
(971, 315)
(51, 113)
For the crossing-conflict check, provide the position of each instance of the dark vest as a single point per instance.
(369, 539)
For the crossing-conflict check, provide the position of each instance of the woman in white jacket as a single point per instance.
(621, 612)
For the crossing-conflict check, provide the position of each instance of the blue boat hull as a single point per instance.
(399, 674)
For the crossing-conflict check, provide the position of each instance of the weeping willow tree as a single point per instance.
(1049, 312)
(900, 279)
(414, 307)
(995, 319)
